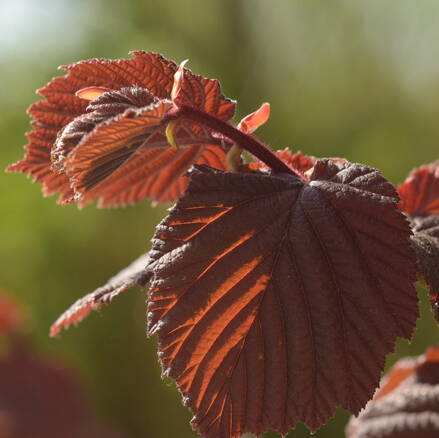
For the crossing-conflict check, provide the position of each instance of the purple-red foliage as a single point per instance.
(277, 288)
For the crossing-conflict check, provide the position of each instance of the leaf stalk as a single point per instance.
(245, 141)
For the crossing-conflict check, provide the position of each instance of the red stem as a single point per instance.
(244, 141)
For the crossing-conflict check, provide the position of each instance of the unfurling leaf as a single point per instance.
(84, 145)
(276, 299)
(407, 404)
(178, 80)
(134, 274)
(420, 201)
(254, 120)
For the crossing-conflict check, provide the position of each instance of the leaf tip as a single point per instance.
(91, 93)
(178, 80)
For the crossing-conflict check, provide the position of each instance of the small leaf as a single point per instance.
(420, 191)
(148, 70)
(276, 300)
(134, 274)
(253, 121)
(178, 80)
(407, 404)
(298, 161)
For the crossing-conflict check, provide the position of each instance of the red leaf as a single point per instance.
(407, 404)
(276, 300)
(39, 396)
(128, 158)
(111, 144)
(103, 109)
(426, 245)
(147, 71)
(36, 163)
(11, 317)
(420, 191)
(253, 121)
(298, 161)
(134, 274)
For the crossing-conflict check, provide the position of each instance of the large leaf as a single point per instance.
(407, 404)
(276, 299)
(134, 274)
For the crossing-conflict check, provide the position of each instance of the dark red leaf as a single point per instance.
(134, 274)
(407, 404)
(276, 300)
(11, 316)
(426, 246)
(63, 104)
(420, 191)
(39, 397)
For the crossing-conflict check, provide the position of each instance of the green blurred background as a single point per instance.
(358, 79)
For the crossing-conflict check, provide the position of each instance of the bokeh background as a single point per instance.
(358, 79)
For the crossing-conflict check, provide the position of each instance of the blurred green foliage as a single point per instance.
(352, 79)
